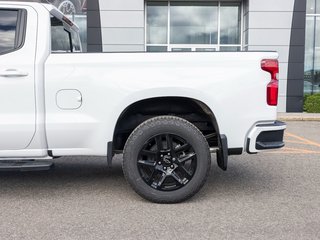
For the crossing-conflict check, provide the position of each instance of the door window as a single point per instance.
(60, 37)
(11, 29)
(63, 40)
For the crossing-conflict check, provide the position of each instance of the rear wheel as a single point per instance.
(166, 159)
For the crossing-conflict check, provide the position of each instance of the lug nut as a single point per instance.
(168, 154)
(164, 168)
(159, 163)
(161, 155)
(172, 166)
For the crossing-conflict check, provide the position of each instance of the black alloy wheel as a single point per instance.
(167, 162)
(166, 159)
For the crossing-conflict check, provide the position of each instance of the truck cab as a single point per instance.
(22, 55)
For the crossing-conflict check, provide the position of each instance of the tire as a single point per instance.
(68, 7)
(166, 160)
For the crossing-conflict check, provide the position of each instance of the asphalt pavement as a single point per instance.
(274, 195)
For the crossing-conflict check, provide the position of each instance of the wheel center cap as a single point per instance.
(166, 159)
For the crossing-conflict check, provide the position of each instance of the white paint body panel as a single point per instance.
(17, 93)
(68, 99)
(232, 85)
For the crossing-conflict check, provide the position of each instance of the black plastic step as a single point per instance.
(25, 165)
(269, 145)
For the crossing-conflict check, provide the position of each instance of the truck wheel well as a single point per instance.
(192, 110)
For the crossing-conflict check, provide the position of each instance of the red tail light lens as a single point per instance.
(272, 93)
(271, 66)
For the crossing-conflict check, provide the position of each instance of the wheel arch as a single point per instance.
(190, 109)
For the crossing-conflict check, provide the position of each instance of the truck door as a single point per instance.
(17, 76)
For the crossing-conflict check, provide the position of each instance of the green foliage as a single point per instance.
(304, 101)
(312, 103)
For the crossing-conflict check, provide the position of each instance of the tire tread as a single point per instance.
(139, 130)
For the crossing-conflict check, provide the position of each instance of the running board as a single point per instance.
(25, 165)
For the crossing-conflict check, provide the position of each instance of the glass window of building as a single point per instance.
(157, 24)
(312, 48)
(230, 23)
(184, 26)
(193, 23)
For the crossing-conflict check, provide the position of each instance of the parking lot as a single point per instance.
(273, 195)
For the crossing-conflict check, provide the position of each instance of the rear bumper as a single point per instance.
(264, 136)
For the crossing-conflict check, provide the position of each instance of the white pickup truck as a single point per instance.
(166, 112)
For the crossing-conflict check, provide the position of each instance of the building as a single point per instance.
(213, 25)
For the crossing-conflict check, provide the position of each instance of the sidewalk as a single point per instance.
(299, 116)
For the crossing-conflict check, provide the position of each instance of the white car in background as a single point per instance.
(70, 7)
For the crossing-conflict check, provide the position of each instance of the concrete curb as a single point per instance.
(299, 117)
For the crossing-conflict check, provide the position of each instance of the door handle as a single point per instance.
(13, 73)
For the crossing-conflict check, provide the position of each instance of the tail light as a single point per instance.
(271, 66)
